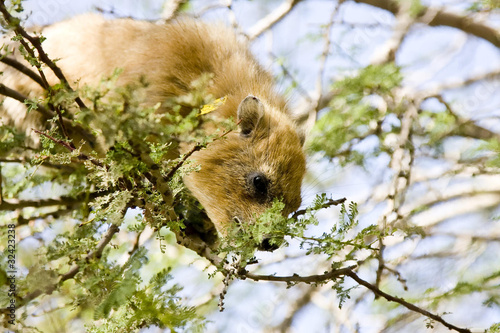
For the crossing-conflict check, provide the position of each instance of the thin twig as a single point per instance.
(197, 147)
(387, 52)
(71, 148)
(327, 204)
(404, 303)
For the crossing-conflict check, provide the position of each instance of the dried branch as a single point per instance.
(271, 19)
(441, 17)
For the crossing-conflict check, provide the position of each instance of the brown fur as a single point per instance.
(171, 57)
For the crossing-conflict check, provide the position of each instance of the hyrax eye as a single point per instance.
(259, 183)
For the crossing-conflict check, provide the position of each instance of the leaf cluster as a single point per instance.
(355, 113)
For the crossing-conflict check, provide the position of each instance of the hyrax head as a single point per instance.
(242, 173)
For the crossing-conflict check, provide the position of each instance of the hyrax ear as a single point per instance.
(250, 111)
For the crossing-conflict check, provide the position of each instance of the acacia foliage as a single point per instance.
(96, 235)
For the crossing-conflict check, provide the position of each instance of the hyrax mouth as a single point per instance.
(270, 244)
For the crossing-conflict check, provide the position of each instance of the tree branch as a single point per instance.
(333, 274)
(71, 148)
(6, 91)
(96, 253)
(457, 84)
(441, 17)
(314, 107)
(327, 204)
(297, 305)
(36, 43)
(404, 303)
(348, 271)
(22, 68)
(271, 19)
(171, 9)
(387, 52)
(13, 204)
